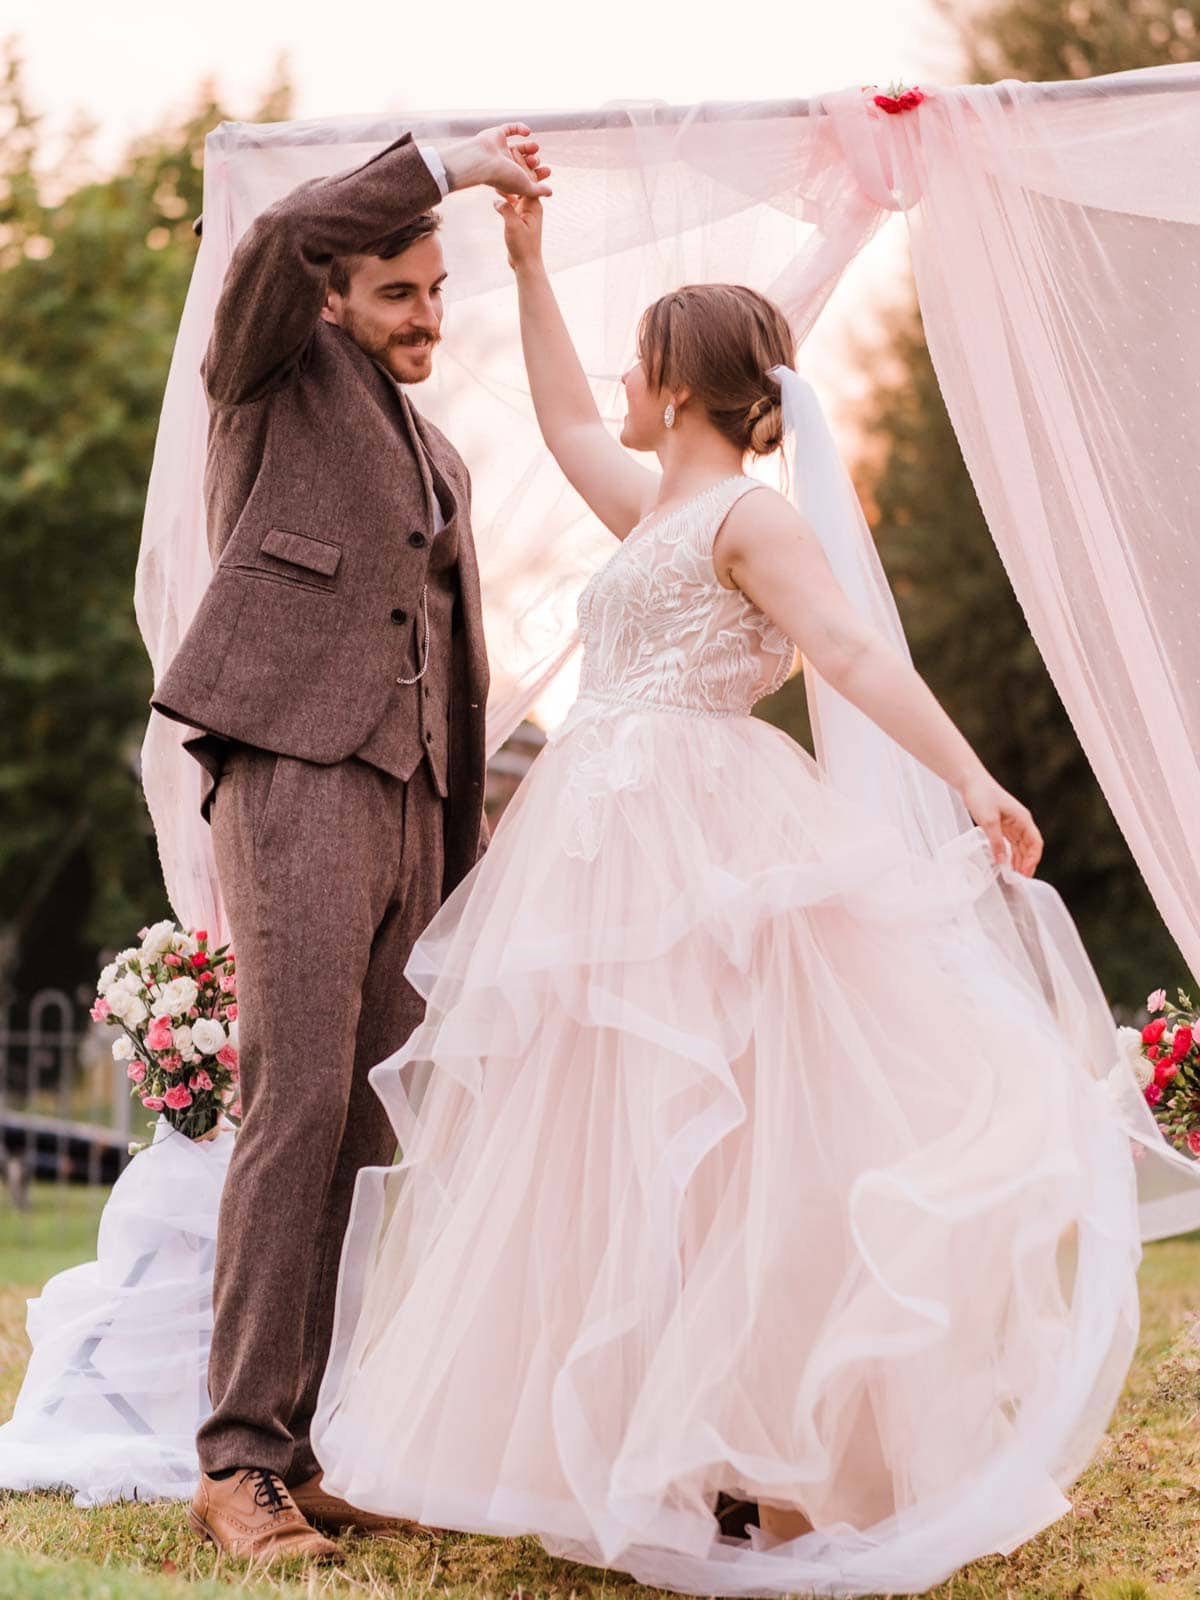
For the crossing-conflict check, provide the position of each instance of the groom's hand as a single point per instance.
(505, 157)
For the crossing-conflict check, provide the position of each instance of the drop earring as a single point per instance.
(669, 415)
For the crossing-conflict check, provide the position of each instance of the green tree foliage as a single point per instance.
(93, 273)
(1041, 40)
(963, 622)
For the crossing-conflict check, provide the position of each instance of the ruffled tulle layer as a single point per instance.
(742, 1152)
(117, 1382)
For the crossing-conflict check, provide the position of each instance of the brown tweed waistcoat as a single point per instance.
(320, 505)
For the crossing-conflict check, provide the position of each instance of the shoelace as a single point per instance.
(269, 1493)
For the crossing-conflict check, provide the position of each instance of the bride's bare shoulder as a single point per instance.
(758, 519)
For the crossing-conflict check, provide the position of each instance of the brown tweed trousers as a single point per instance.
(344, 806)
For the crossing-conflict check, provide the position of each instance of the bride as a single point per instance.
(759, 1225)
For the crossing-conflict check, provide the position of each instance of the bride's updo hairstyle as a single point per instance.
(719, 340)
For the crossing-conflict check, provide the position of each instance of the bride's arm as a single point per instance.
(766, 549)
(614, 486)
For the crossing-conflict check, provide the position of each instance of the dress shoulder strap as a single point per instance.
(724, 496)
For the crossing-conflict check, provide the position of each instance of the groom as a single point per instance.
(335, 678)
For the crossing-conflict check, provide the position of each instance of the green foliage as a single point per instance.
(93, 273)
(1040, 40)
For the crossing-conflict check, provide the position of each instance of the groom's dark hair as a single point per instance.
(393, 244)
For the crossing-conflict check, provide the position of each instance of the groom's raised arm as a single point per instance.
(276, 281)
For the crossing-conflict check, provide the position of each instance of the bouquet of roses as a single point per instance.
(175, 1002)
(1165, 1056)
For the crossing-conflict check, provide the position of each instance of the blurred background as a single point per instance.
(102, 125)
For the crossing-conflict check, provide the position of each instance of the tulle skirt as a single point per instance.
(744, 1152)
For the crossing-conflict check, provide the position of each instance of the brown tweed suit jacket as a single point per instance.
(320, 508)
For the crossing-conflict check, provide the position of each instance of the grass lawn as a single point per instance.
(1134, 1533)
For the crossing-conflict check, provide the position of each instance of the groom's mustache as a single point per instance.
(415, 339)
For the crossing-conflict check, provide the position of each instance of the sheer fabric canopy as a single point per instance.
(1054, 233)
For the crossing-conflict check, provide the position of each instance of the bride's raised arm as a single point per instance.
(617, 489)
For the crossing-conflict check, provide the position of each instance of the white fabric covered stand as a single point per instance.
(118, 1381)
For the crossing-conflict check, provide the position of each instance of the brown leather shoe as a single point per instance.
(251, 1514)
(325, 1510)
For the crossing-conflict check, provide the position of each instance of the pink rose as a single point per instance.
(1152, 1093)
(172, 960)
(200, 1080)
(1193, 1141)
(235, 1109)
(135, 1071)
(171, 1061)
(231, 1011)
(194, 1013)
(100, 1010)
(229, 982)
(178, 1097)
(153, 1102)
(228, 1057)
(1157, 1000)
(158, 1035)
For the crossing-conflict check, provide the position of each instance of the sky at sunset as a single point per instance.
(128, 62)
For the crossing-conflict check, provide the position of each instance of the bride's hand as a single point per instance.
(1002, 816)
(522, 228)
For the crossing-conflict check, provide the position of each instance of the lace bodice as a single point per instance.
(659, 629)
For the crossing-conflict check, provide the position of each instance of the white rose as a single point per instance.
(233, 1033)
(184, 944)
(124, 956)
(181, 1038)
(135, 1012)
(123, 1048)
(179, 996)
(1129, 1043)
(208, 1036)
(108, 976)
(158, 939)
(119, 1002)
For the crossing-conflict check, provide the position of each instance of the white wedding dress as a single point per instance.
(743, 1150)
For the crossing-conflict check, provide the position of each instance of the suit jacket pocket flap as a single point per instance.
(302, 550)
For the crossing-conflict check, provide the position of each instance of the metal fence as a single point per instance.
(64, 1102)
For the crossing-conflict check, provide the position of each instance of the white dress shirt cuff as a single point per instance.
(436, 166)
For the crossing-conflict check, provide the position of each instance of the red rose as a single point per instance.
(201, 935)
(1182, 1042)
(1152, 1093)
(1164, 1072)
(200, 959)
(1153, 1031)
(1153, 1052)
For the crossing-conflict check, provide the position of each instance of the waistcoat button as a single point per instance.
(399, 616)
(417, 540)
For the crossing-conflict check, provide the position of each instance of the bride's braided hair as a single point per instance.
(718, 340)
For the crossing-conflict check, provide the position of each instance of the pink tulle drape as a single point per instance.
(1054, 238)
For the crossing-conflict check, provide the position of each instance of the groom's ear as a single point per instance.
(330, 312)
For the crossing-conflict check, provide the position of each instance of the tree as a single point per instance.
(93, 274)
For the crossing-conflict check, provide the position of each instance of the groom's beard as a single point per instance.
(381, 350)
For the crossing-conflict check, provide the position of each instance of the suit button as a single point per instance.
(399, 616)
(428, 738)
(417, 540)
